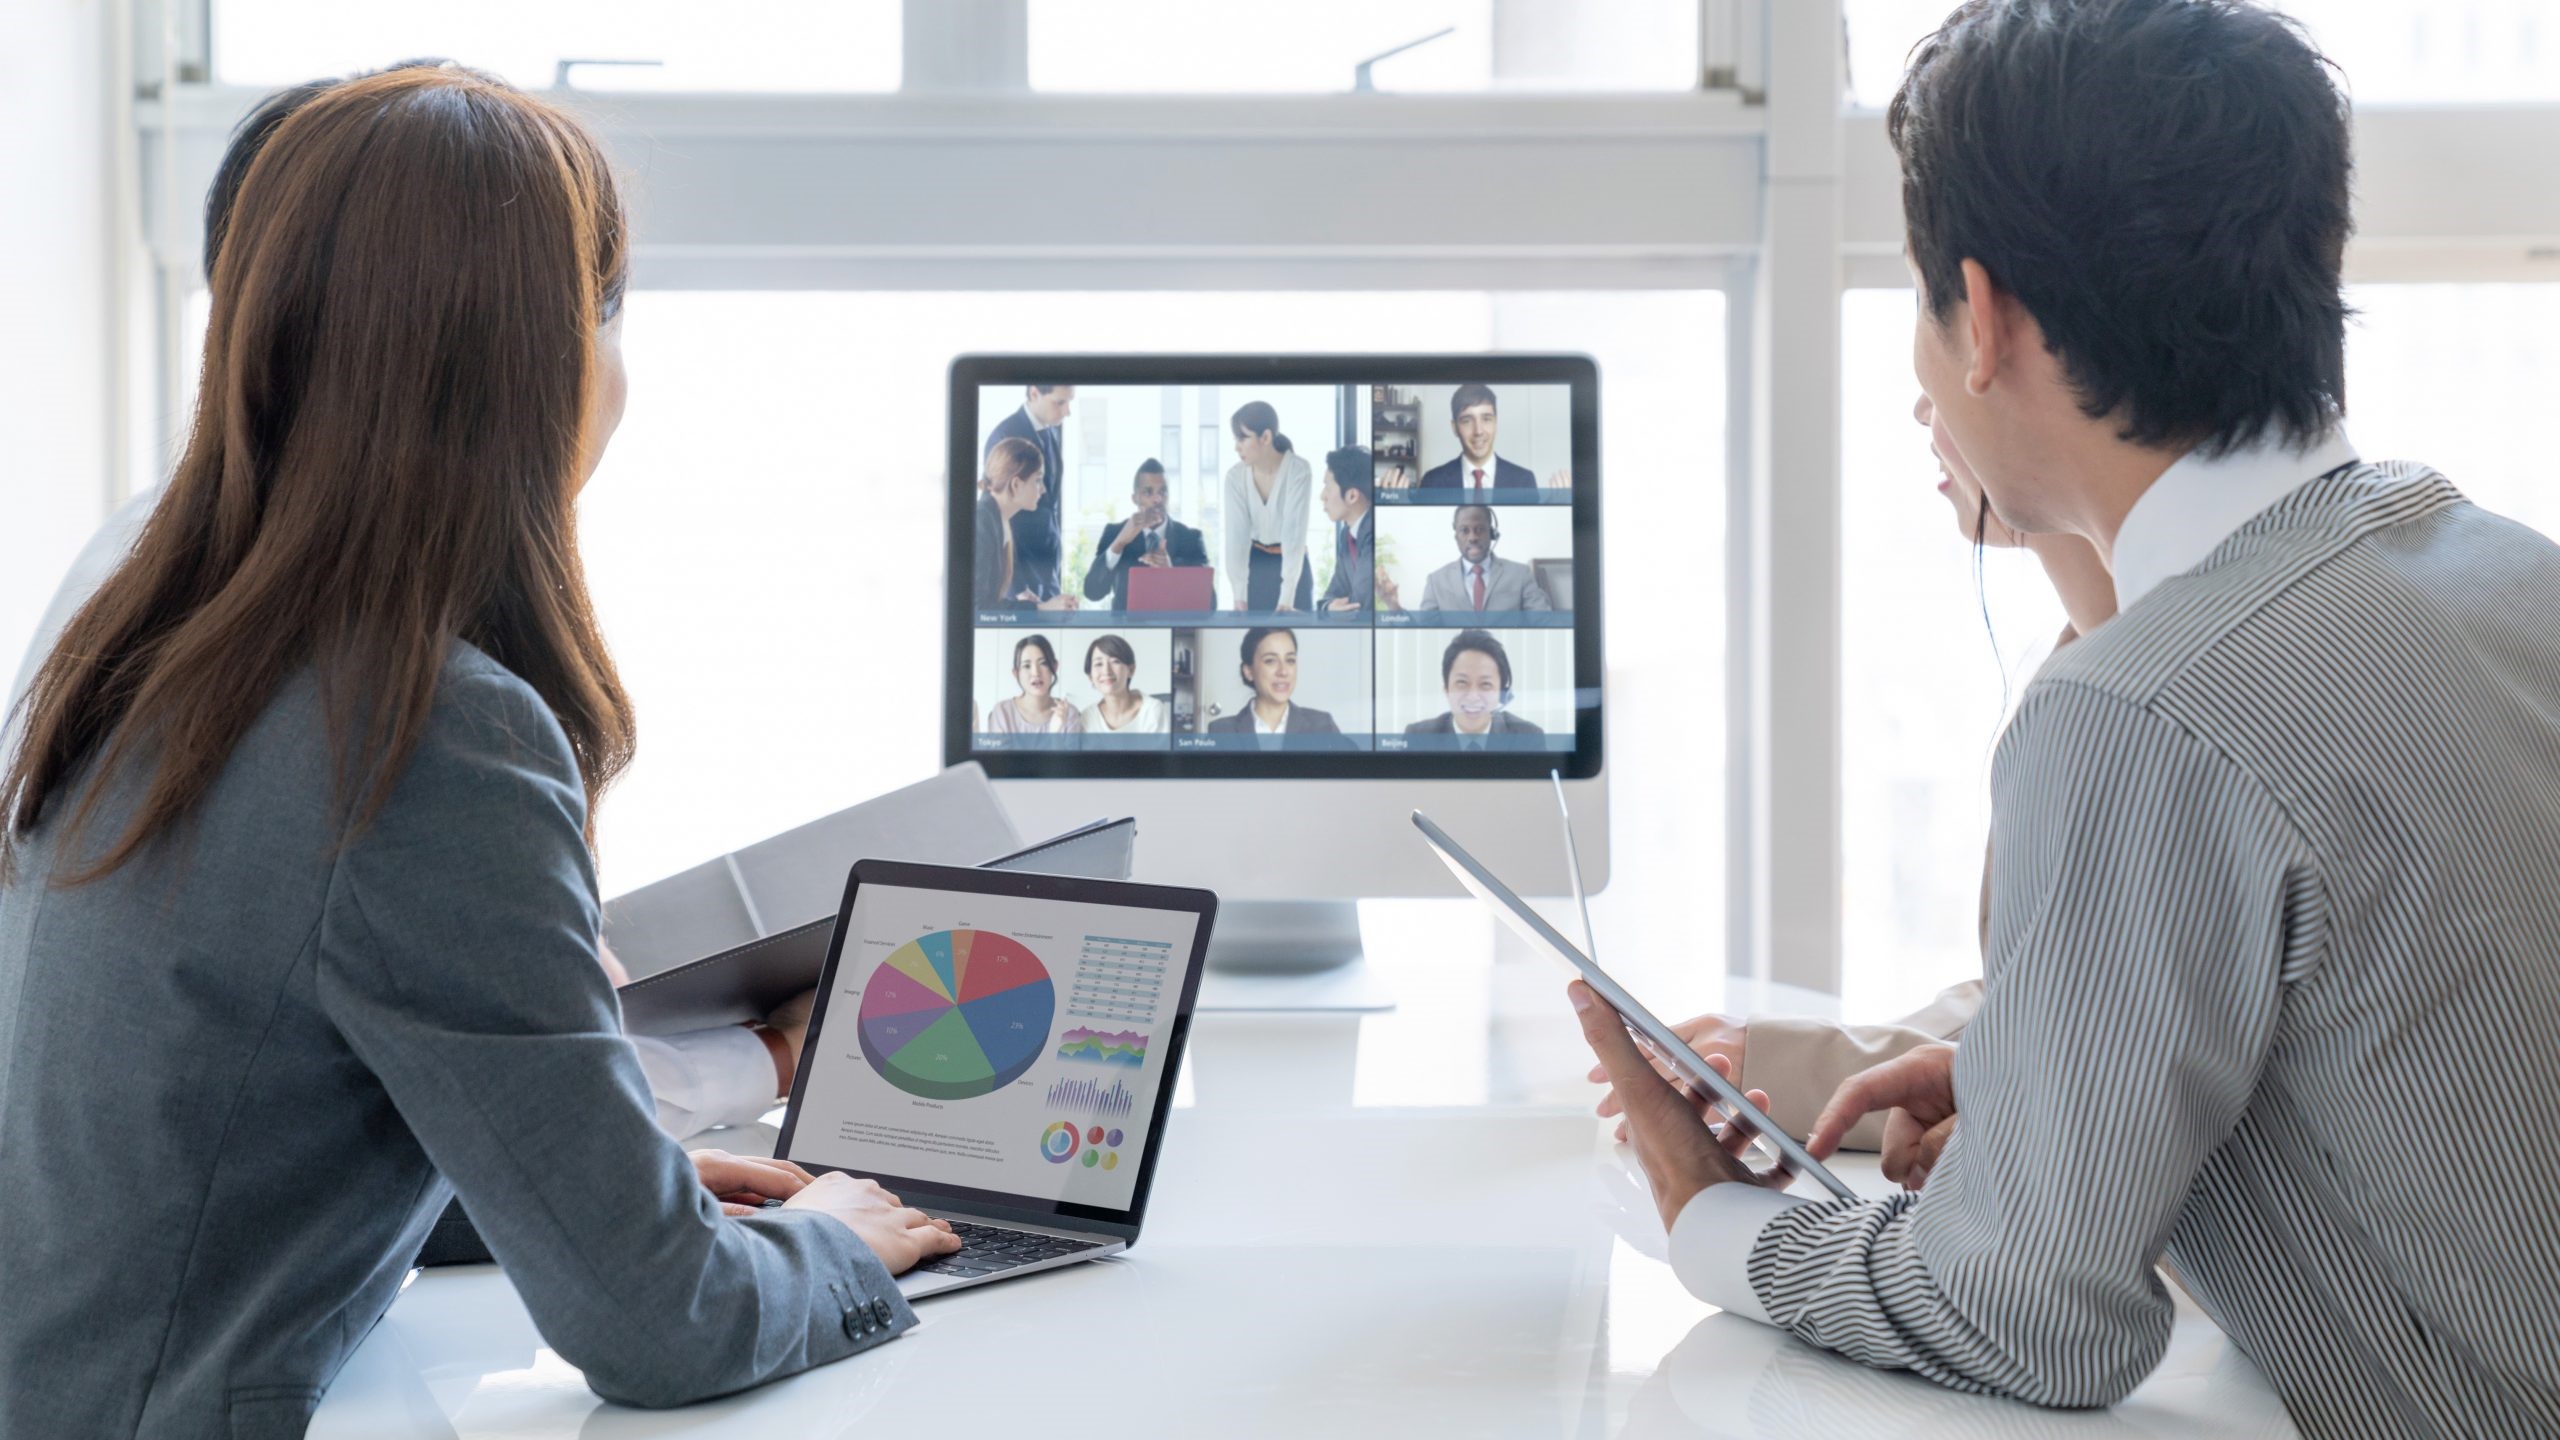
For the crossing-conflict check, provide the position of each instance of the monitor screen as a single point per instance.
(1213, 566)
(1012, 1048)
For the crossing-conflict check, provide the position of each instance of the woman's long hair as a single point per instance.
(393, 423)
(1256, 417)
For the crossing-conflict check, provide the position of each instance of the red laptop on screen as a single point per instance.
(1171, 587)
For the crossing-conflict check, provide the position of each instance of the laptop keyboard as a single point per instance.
(993, 1249)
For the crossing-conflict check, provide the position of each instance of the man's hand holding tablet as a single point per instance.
(1714, 1037)
(1681, 1154)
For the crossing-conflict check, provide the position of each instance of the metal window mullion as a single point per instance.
(1791, 769)
(965, 45)
(1746, 599)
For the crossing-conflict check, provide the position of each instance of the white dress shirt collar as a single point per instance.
(2198, 502)
(1261, 729)
(1467, 470)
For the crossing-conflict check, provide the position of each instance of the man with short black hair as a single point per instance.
(1150, 537)
(1475, 678)
(1475, 418)
(1348, 475)
(2279, 840)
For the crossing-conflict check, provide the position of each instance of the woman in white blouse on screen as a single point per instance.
(1268, 492)
(1120, 709)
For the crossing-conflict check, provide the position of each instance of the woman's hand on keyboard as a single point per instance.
(898, 1234)
(743, 1181)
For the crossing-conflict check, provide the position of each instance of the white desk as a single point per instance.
(1395, 1224)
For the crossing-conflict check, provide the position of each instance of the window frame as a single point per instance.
(1762, 183)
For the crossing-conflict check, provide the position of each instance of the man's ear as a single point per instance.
(1991, 317)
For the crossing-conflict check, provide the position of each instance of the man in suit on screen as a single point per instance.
(1475, 416)
(1478, 581)
(1150, 537)
(1475, 678)
(1348, 474)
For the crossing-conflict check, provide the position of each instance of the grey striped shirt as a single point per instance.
(2274, 848)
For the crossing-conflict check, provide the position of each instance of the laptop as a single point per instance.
(998, 1050)
(1170, 587)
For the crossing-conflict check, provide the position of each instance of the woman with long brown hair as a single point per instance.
(300, 818)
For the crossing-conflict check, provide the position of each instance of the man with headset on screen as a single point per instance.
(1478, 580)
(1475, 677)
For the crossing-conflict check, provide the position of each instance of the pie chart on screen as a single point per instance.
(956, 1014)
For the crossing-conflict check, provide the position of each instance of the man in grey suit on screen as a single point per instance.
(1478, 580)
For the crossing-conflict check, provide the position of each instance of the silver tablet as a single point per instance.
(1649, 1031)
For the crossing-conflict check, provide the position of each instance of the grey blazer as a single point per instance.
(987, 587)
(1508, 585)
(241, 1075)
(1300, 721)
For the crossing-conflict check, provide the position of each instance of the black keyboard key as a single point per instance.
(988, 1249)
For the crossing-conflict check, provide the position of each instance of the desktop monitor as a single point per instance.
(1270, 605)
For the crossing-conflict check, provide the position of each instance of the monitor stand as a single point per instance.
(1285, 937)
(1290, 955)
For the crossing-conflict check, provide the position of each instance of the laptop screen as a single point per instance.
(995, 1046)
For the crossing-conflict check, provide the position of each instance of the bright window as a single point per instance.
(2457, 376)
(1171, 46)
(765, 541)
(1932, 651)
(2392, 51)
(790, 45)
(2452, 375)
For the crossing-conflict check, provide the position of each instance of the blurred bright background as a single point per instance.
(768, 522)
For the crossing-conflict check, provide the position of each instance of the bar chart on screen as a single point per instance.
(1119, 981)
(1093, 1097)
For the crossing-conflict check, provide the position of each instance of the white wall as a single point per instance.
(56, 275)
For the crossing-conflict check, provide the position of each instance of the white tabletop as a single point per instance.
(1396, 1224)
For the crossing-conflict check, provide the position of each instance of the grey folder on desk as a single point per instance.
(703, 947)
(796, 876)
